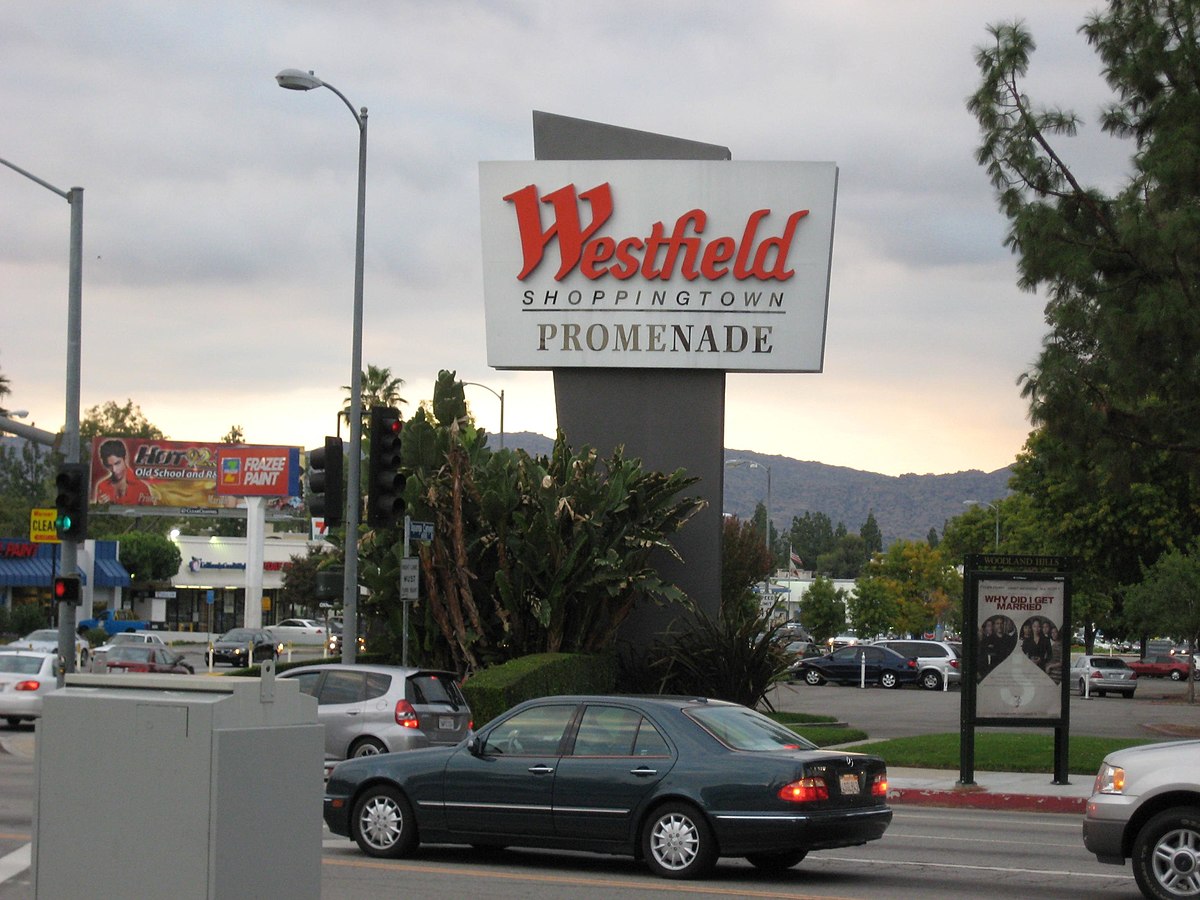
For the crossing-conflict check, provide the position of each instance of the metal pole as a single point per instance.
(70, 446)
(354, 485)
(996, 507)
(70, 563)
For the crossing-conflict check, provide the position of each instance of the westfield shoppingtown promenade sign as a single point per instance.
(652, 264)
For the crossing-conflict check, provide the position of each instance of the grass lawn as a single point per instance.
(998, 751)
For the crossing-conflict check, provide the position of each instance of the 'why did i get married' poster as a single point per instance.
(1020, 657)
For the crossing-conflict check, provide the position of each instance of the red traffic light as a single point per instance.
(67, 589)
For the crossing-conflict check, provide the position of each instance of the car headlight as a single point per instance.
(1109, 780)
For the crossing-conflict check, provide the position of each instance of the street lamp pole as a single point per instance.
(70, 447)
(500, 397)
(298, 80)
(994, 506)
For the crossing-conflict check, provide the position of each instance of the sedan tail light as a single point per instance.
(406, 716)
(27, 685)
(879, 787)
(806, 790)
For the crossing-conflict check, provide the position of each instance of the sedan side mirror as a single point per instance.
(475, 745)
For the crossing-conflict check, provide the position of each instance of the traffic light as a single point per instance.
(71, 501)
(385, 484)
(67, 589)
(325, 482)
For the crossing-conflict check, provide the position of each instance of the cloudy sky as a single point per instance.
(219, 209)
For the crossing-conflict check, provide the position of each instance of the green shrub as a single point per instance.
(736, 655)
(498, 688)
(96, 636)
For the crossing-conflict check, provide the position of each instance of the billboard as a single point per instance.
(145, 472)
(657, 263)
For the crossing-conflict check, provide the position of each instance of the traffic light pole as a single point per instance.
(70, 549)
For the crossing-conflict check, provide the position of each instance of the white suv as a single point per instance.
(937, 661)
(1145, 806)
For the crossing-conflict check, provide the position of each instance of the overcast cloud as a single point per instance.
(219, 209)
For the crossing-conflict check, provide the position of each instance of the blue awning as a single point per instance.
(35, 572)
(110, 573)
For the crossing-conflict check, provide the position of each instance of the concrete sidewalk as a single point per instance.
(1016, 791)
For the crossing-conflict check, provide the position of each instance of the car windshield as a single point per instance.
(42, 634)
(239, 635)
(1108, 662)
(740, 728)
(20, 665)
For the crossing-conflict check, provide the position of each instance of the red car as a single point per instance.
(1174, 667)
(145, 658)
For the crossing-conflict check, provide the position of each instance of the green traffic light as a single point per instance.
(63, 523)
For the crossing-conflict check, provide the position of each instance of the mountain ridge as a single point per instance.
(905, 506)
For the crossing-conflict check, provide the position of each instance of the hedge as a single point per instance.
(496, 689)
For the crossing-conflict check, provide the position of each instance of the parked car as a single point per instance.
(145, 659)
(676, 781)
(115, 621)
(45, 640)
(299, 631)
(372, 709)
(26, 676)
(845, 666)
(1174, 667)
(1103, 675)
(938, 662)
(242, 647)
(1145, 807)
(125, 637)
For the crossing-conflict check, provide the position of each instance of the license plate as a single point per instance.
(445, 723)
(850, 783)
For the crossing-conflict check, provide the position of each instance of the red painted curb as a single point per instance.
(986, 800)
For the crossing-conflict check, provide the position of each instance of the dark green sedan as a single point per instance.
(677, 782)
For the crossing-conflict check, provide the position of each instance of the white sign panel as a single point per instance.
(657, 264)
(410, 578)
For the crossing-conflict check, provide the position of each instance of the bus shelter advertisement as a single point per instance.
(1019, 656)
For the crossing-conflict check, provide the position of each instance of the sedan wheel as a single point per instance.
(776, 862)
(677, 843)
(382, 824)
(368, 746)
(889, 680)
(1176, 675)
(813, 677)
(1166, 855)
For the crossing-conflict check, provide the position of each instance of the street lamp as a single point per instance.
(298, 80)
(735, 463)
(500, 397)
(994, 506)
(70, 549)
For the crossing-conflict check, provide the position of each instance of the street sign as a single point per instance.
(410, 578)
(41, 526)
(420, 531)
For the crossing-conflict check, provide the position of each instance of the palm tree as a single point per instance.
(379, 388)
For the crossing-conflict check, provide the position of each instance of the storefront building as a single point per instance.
(209, 592)
(27, 571)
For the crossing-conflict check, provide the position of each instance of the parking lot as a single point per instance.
(1159, 708)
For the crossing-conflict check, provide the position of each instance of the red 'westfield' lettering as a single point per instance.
(655, 256)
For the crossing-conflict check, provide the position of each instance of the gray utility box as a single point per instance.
(178, 786)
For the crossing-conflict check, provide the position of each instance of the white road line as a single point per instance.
(16, 862)
(957, 866)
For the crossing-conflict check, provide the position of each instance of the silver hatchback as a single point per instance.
(371, 709)
(1103, 675)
